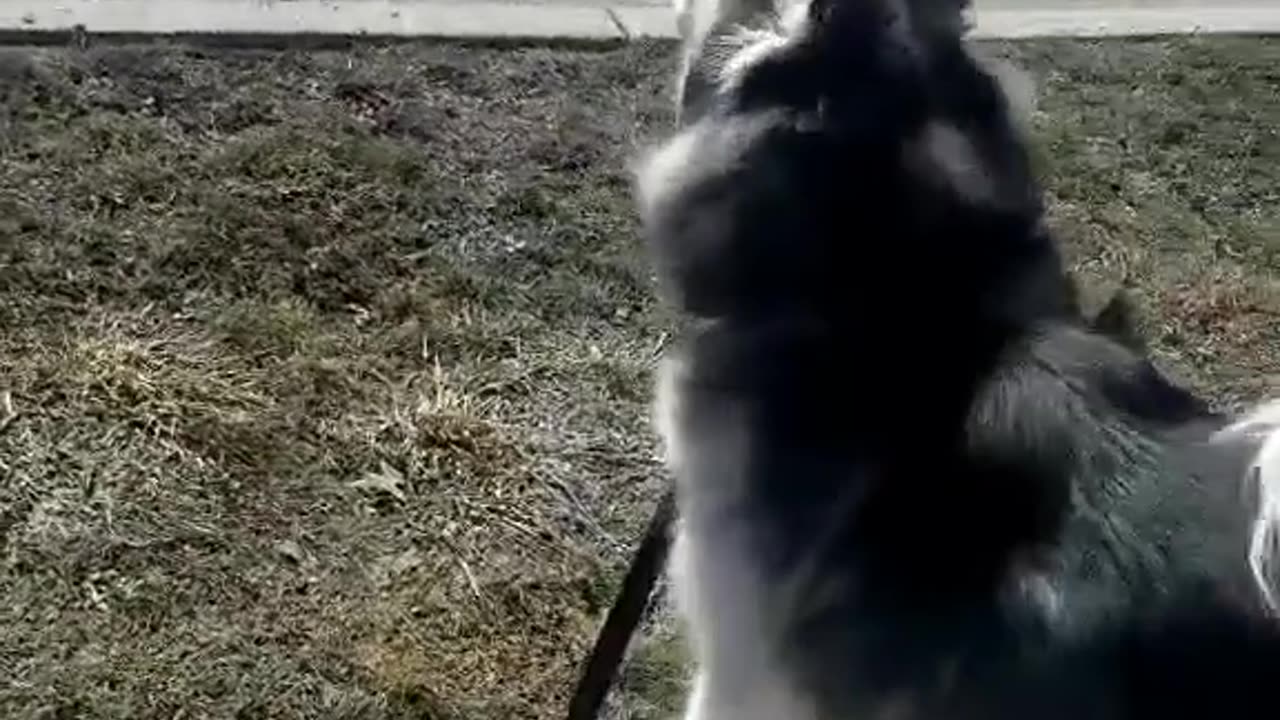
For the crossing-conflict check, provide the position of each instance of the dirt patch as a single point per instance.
(325, 374)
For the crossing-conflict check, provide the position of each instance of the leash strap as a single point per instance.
(625, 615)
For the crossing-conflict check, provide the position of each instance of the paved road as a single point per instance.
(588, 18)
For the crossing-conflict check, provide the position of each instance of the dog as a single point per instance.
(911, 482)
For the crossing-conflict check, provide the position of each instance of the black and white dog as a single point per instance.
(911, 483)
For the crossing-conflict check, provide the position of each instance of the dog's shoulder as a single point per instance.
(1122, 376)
(1129, 457)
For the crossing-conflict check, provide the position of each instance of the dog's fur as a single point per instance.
(911, 483)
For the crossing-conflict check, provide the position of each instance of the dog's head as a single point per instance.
(840, 154)
(715, 31)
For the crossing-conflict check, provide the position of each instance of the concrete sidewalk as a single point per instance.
(585, 19)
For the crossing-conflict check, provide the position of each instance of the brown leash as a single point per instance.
(625, 615)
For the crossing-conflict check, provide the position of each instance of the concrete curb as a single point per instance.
(1112, 22)
(32, 20)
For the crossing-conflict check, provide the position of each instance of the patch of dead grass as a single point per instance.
(329, 371)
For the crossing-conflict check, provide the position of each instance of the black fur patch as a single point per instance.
(928, 421)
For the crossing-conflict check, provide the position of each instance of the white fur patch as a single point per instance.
(666, 410)
(703, 150)
(695, 19)
(684, 18)
(1263, 425)
(1018, 87)
(951, 156)
(664, 171)
(720, 594)
(756, 46)
(770, 34)
(1038, 589)
(717, 584)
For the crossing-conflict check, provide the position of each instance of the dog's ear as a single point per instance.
(1119, 321)
(918, 24)
(1016, 84)
(711, 33)
(939, 17)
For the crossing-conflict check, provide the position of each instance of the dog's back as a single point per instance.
(971, 507)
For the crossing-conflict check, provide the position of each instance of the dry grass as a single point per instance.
(323, 377)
